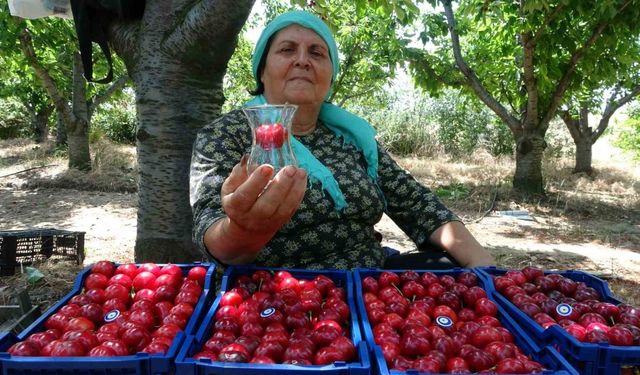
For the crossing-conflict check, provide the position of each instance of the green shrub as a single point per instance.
(559, 141)
(628, 137)
(464, 125)
(117, 121)
(14, 119)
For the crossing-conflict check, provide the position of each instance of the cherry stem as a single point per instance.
(398, 289)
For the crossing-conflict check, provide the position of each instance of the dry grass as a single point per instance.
(58, 280)
(113, 167)
(604, 207)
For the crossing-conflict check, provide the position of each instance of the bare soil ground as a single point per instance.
(588, 223)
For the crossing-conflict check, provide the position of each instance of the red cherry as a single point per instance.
(620, 336)
(96, 281)
(387, 278)
(104, 267)
(67, 349)
(121, 279)
(101, 351)
(270, 349)
(510, 366)
(25, 349)
(467, 278)
(197, 274)
(370, 285)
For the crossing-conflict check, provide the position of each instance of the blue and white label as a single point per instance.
(564, 309)
(444, 321)
(111, 316)
(267, 312)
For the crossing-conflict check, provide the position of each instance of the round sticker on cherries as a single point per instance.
(111, 316)
(267, 312)
(564, 309)
(444, 321)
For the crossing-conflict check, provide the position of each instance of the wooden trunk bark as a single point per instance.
(583, 156)
(176, 57)
(173, 102)
(79, 156)
(170, 112)
(528, 175)
(78, 126)
(41, 125)
(61, 131)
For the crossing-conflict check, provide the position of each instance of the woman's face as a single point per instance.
(298, 67)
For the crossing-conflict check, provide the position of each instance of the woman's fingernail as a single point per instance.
(266, 171)
(290, 171)
(243, 160)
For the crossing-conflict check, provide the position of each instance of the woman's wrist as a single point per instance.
(232, 243)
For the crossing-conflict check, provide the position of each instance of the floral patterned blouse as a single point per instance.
(317, 236)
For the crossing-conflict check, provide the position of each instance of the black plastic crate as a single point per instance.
(29, 246)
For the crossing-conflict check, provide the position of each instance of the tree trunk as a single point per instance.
(61, 131)
(79, 157)
(583, 156)
(78, 127)
(41, 124)
(528, 176)
(170, 112)
(177, 59)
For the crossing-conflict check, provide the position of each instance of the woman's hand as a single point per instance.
(256, 206)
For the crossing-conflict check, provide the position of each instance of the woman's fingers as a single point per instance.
(294, 196)
(242, 199)
(236, 178)
(264, 204)
(278, 193)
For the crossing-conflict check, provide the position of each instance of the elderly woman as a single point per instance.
(322, 214)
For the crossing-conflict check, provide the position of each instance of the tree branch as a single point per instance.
(203, 24)
(472, 79)
(612, 106)
(356, 95)
(547, 21)
(47, 82)
(101, 97)
(418, 63)
(348, 63)
(563, 84)
(572, 124)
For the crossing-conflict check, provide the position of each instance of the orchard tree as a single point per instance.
(521, 59)
(603, 87)
(17, 81)
(176, 55)
(47, 47)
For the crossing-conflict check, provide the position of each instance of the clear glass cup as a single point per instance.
(271, 127)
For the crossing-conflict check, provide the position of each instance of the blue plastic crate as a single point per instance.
(589, 359)
(187, 365)
(547, 356)
(139, 363)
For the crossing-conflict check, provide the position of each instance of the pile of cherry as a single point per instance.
(120, 311)
(554, 299)
(440, 324)
(273, 317)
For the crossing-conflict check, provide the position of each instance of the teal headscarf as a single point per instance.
(353, 129)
